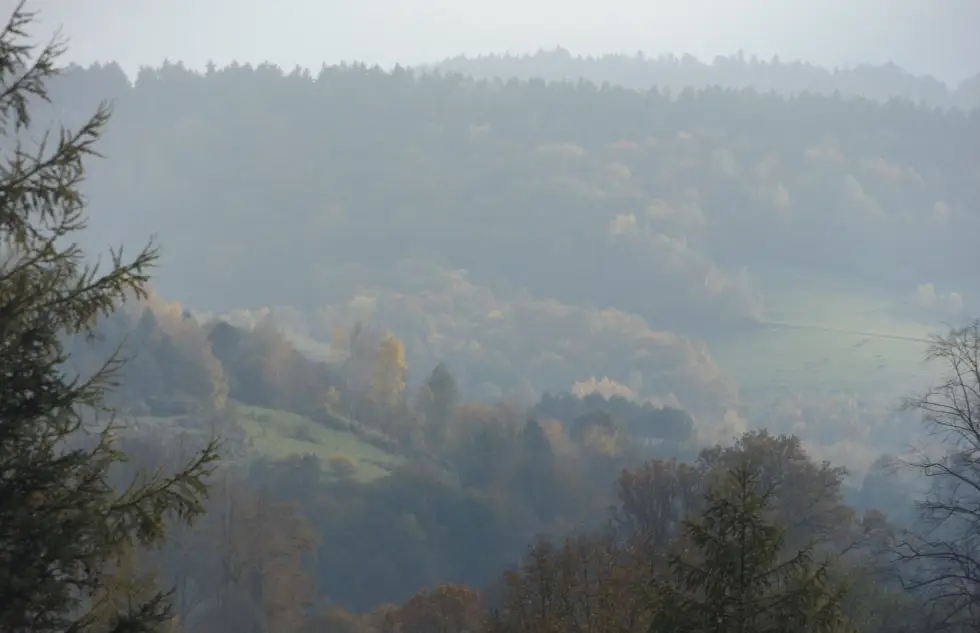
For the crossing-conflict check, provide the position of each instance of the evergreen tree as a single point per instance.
(445, 395)
(65, 531)
(731, 575)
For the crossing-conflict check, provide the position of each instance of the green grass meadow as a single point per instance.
(825, 335)
(280, 434)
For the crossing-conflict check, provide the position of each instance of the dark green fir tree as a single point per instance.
(730, 573)
(65, 530)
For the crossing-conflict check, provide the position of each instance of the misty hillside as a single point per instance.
(675, 74)
(539, 235)
(508, 344)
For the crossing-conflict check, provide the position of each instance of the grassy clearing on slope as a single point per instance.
(826, 336)
(280, 434)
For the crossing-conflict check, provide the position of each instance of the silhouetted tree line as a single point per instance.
(641, 72)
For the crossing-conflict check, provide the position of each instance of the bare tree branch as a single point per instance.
(942, 554)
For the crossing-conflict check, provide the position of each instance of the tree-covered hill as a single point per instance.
(275, 481)
(353, 166)
(530, 231)
(641, 72)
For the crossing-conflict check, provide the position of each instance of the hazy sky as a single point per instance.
(940, 37)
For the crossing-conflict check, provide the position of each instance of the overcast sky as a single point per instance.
(939, 37)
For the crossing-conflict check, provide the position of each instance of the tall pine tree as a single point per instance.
(731, 575)
(64, 529)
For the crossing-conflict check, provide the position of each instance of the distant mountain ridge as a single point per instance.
(639, 72)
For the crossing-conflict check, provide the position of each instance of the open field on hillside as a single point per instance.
(280, 434)
(825, 335)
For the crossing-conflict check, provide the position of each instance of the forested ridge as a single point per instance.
(443, 355)
(459, 166)
(534, 236)
(675, 73)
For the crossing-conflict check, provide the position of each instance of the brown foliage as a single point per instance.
(587, 585)
(447, 609)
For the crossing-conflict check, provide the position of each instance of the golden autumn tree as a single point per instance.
(388, 375)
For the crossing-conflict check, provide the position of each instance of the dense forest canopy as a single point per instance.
(714, 247)
(580, 169)
(475, 355)
(641, 72)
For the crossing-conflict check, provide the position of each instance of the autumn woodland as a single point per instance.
(503, 344)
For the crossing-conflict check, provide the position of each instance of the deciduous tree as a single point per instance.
(943, 555)
(388, 376)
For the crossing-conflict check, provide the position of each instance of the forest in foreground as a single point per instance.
(277, 483)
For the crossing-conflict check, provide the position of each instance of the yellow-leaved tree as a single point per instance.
(388, 375)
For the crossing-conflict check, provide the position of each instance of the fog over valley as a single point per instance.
(452, 314)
